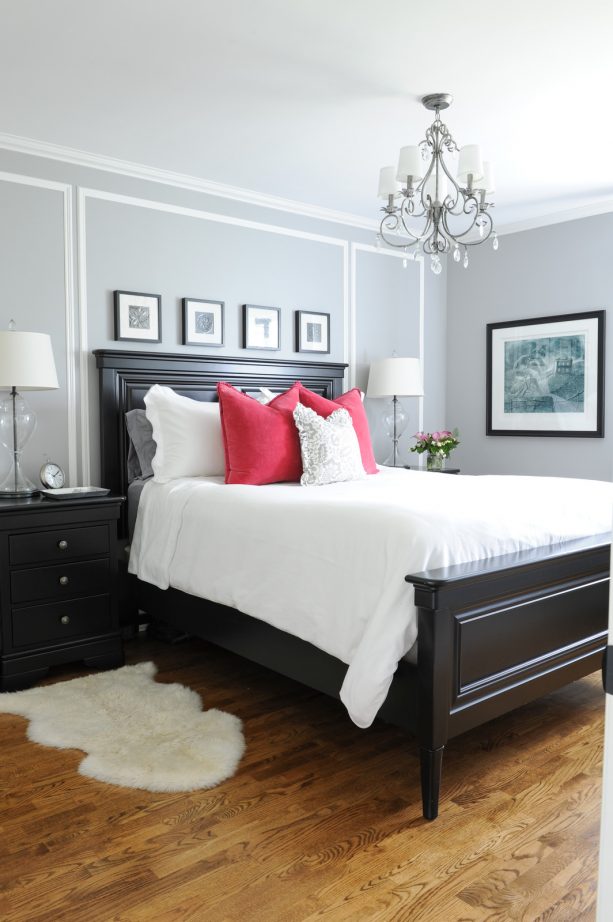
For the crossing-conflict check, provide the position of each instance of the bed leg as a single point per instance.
(431, 761)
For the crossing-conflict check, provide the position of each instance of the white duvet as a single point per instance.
(328, 563)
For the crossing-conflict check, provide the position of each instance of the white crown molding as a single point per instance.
(64, 154)
(180, 180)
(588, 210)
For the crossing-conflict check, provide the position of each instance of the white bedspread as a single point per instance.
(328, 563)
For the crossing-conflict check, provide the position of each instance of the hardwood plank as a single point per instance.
(321, 822)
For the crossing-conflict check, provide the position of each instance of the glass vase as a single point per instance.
(435, 462)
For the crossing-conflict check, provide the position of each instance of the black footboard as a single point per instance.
(494, 635)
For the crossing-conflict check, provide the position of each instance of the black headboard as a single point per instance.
(125, 378)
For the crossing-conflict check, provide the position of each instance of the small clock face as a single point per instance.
(52, 475)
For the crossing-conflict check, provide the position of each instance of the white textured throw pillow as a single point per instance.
(187, 434)
(329, 447)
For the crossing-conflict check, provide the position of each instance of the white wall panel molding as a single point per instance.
(65, 190)
(357, 248)
(85, 194)
(180, 180)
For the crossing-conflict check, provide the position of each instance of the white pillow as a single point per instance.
(187, 434)
(267, 395)
(329, 447)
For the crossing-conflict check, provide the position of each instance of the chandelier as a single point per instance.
(427, 208)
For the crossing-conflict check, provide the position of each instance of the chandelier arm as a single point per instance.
(458, 237)
(455, 186)
(407, 208)
(390, 225)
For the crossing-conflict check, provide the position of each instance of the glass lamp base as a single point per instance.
(17, 423)
(395, 421)
(16, 483)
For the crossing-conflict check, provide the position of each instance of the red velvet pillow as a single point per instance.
(261, 442)
(352, 402)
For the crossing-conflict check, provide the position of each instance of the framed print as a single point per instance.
(138, 317)
(202, 322)
(261, 327)
(312, 331)
(546, 376)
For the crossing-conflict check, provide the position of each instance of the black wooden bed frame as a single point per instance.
(492, 635)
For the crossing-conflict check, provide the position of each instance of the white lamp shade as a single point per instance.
(430, 187)
(470, 162)
(26, 361)
(410, 163)
(387, 182)
(395, 377)
(487, 183)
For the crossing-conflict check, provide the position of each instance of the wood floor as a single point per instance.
(321, 822)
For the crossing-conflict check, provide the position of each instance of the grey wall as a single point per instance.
(64, 249)
(563, 268)
(32, 294)
(388, 321)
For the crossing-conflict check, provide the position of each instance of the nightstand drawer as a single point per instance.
(61, 621)
(90, 577)
(59, 544)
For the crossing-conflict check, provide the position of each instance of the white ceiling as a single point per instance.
(306, 99)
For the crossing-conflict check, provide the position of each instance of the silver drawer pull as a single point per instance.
(65, 619)
(64, 580)
(62, 545)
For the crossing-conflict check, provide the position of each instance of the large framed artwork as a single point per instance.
(312, 332)
(202, 322)
(545, 376)
(261, 327)
(138, 317)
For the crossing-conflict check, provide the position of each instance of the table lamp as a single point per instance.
(395, 377)
(26, 364)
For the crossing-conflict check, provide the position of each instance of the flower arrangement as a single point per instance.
(438, 444)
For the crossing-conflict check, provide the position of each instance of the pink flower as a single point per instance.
(446, 434)
(437, 436)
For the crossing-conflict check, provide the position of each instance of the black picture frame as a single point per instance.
(190, 335)
(531, 382)
(319, 346)
(254, 314)
(129, 327)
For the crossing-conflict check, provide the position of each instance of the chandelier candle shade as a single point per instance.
(394, 377)
(427, 208)
(26, 363)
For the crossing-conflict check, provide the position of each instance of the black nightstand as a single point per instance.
(58, 586)
(446, 470)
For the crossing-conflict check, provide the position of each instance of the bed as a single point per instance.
(491, 635)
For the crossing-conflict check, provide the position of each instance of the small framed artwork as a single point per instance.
(261, 327)
(202, 322)
(545, 376)
(312, 331)
(138, 317)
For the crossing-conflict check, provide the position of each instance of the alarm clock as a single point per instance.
(52, 475)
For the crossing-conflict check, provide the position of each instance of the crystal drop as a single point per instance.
(436, 265)
(12, 326)
(456, 253)
(481, 229)
(465, 262)
(378, 241)
(405, 263)
(495, 242)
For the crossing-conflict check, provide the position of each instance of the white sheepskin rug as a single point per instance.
(136, 732)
